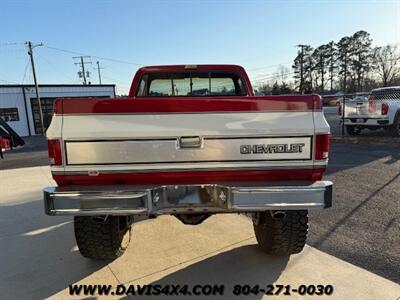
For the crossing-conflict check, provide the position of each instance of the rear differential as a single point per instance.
(192, 219)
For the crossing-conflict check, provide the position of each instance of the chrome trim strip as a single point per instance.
(206, 137)
(181, 169)
(193, 112)
(212, 198)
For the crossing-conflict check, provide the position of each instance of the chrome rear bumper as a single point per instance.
(127, 200)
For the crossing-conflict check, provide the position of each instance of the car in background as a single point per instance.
(360, 98)
(331, 100)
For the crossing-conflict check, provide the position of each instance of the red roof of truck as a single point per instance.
(231, 68)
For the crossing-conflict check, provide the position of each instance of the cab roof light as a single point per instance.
(190, 67)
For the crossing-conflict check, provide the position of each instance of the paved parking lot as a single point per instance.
(354, 245)
(33, 153)
(363, 225)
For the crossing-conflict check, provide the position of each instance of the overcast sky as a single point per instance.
(123, 35)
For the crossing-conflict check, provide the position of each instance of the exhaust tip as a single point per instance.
(278, 214)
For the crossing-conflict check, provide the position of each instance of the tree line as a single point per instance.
(349, 65)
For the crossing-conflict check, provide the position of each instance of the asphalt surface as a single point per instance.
(32, 154)
(363, 225)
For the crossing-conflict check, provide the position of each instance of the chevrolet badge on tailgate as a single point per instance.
(272, 148)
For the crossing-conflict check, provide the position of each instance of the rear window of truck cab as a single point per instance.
(191, 84)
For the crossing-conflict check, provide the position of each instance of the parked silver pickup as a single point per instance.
(380, 110)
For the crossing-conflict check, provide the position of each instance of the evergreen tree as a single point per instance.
(302, 66)
(344, 47)
(361, 56)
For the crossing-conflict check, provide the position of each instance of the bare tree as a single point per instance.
(281, 73)
(387, 63)
(265, 89)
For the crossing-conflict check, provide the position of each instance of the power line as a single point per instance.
(270, 66)
(25, 70)
(268, 75)
(12, 44)
(6, 81)
(23, 79)
(56, 68)
(272, 76)
(261, 76)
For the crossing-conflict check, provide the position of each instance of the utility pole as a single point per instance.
(345, 71)
(322, 64)
(83, 70)
(331, 64)
(30, 52)
(98, 70)
(301, 87)
(82, 63)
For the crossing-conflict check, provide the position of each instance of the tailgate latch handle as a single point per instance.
(190, 142)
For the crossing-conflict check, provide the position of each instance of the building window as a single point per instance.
(47, 111)
(9, 114)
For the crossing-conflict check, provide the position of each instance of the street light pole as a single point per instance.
(30, 52)
(98, 70)
(83, 71)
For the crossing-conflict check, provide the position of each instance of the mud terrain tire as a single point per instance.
(352, 130)
(281, 236)
(104, 238)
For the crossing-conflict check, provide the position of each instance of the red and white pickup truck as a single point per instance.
(189, 141)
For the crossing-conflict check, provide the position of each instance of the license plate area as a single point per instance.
(190, 198)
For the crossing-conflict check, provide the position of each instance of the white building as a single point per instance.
(19, 105)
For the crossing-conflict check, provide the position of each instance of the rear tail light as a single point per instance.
(54, 148)
(321, 146)
(372, 106)
(385, 109)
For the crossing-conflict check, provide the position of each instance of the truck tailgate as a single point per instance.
(265, 138)
(362, 109)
